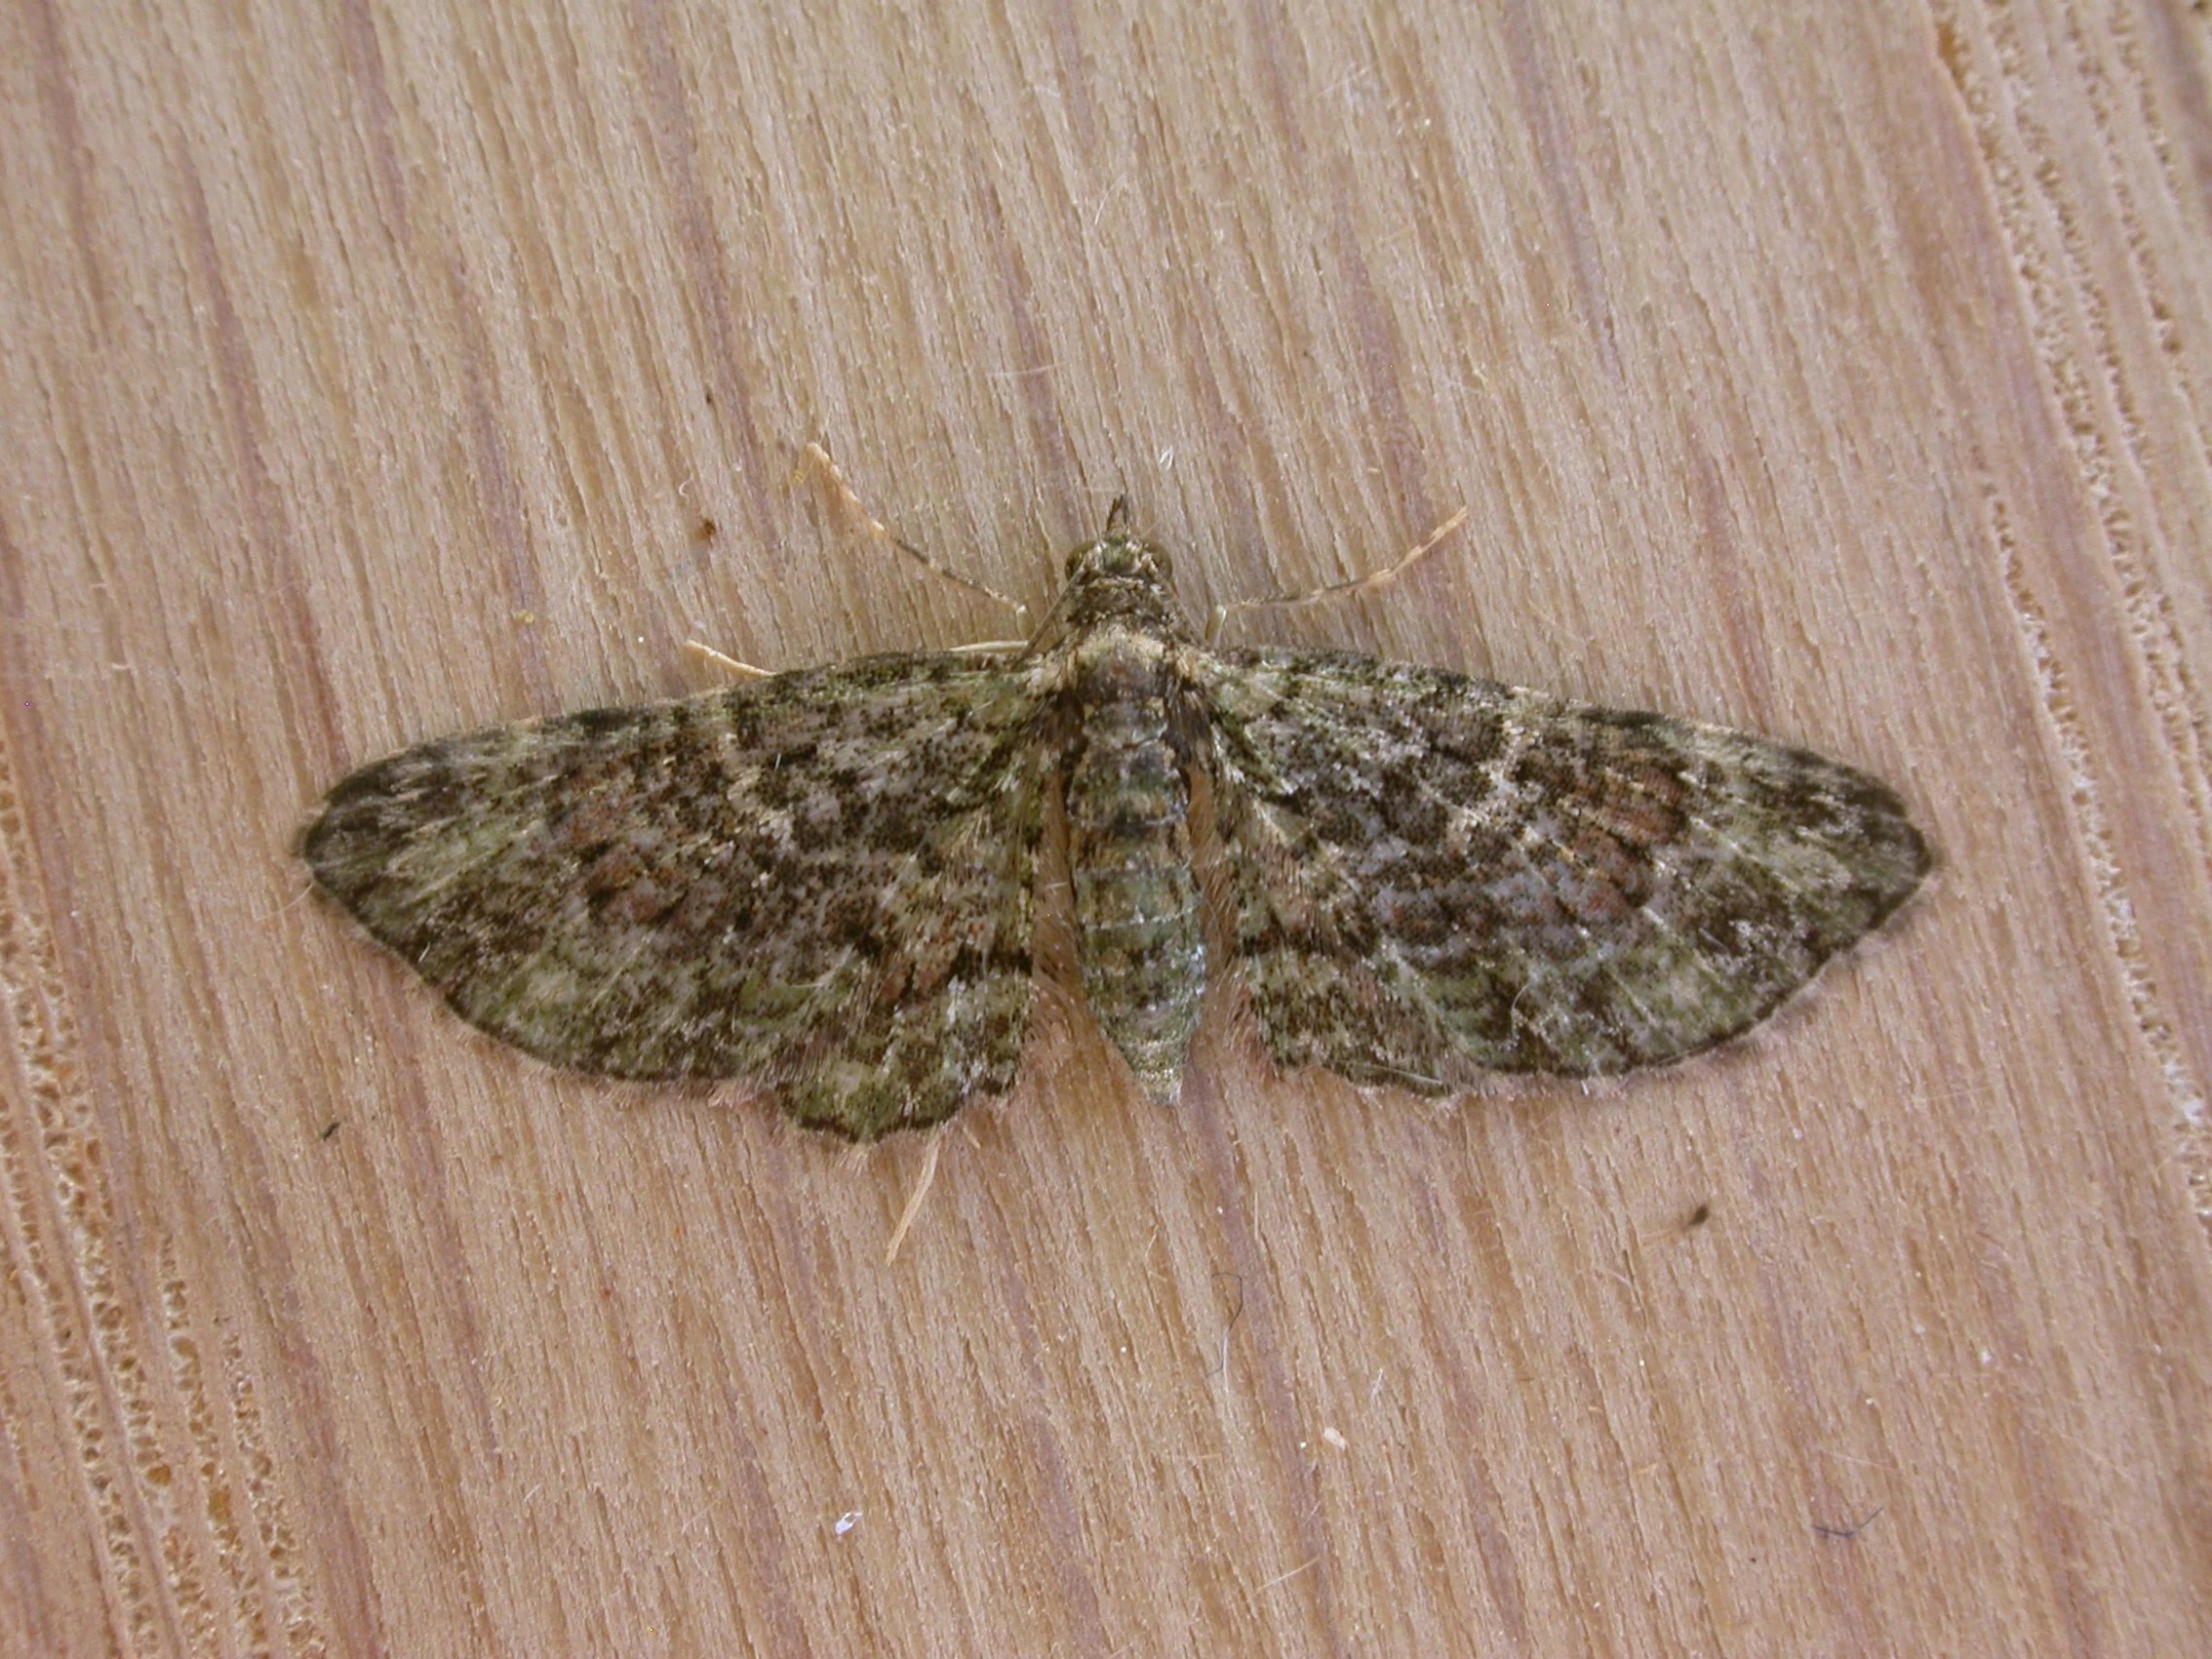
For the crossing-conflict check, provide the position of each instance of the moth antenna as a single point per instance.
(817, 459)
(1337, 590)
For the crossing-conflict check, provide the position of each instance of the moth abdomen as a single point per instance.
(1140, 940)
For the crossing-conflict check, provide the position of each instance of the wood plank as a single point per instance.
(373, 375)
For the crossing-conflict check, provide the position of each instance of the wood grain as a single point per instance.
(373, 373)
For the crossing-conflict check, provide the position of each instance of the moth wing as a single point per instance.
(1436, 877)
(819, 883)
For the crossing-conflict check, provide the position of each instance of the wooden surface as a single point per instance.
(368, 374)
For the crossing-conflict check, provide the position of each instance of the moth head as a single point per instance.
(1119, 552)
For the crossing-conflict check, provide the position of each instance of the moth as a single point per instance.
(822, 884)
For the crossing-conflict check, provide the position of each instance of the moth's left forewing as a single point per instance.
(1435, 877)
(817, 884)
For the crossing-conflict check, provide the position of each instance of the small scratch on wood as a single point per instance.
(1286, 1577)
(1845, 1534)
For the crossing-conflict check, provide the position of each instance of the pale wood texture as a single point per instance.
(367, 373)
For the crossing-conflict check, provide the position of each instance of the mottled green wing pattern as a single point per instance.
(818, 884)
(1436, 877)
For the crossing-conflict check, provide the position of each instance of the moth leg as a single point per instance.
(746, 671)
(1338, 590)
(816, 460)
(729, 665)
